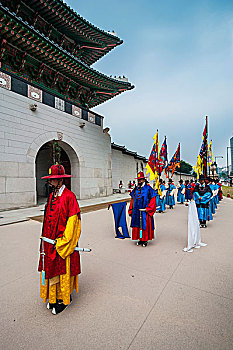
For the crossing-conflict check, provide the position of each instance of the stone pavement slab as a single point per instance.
(130, 297)
(187, 318)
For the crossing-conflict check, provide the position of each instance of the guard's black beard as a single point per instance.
(53, 188)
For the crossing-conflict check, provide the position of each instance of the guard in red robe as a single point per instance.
(192, 183)
(59, 263)
(142, 208)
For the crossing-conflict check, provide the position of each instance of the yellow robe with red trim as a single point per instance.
(60, 287)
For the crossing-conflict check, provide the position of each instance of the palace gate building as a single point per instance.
(48, 87)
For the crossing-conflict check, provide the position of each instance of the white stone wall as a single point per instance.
(23, 132)
(124, 167)
(176, 177)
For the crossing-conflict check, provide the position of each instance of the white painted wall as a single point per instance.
(23, 132)
(124, 167)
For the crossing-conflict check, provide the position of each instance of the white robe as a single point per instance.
(194, 239)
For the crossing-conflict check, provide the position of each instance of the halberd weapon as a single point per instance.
(141, 210)
(51, 241)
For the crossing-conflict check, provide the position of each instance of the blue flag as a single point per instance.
(120, 220)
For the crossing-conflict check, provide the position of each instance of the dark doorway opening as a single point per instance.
(44, 160)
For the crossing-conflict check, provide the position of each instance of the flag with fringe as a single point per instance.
(163, 156)
(152, 166)
(202, 159)
(210, 154)
(198, 167)
(174, 162)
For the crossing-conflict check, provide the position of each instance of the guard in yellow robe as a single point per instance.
(59, 263)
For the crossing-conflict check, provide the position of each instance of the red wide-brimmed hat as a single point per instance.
(140, 176)
(56, 172)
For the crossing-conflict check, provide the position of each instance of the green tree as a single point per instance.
(184, 167)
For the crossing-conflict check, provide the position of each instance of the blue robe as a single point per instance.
(188, 195)
(181, 196)
(170, 200)
(217, 197)
(212, 203)
(203, 205)
(160, 201)
(141, 200)
(158, 204)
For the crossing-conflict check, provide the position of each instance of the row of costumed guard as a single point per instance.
(59, 262)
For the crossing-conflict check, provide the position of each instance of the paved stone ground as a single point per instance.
(130, 297)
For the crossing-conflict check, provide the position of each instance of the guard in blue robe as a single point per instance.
(181, 190)
(202, 195)
(217, 190)
(158, 203)
(162, 197)
(170, 198)
(142, 208)
(212, 205)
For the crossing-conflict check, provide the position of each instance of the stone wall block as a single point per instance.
(101, 182)
(3, 143)
(20, 184)
(9, 169)
(30, 160)
(88, 182)
(14, 200)
(26, 170)
(2, 184)
(6, 157)
(31, 152)
(15, 150)
(86, 172)
(98, 172)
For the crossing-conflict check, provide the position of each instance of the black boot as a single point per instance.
(59, 307)
(50, 306)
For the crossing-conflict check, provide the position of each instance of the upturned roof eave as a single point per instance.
(114, 37)
(118, 84)
(78, 18)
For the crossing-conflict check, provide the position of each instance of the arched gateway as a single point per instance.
(44, 159)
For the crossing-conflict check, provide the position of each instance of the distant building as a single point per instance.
(231, 144)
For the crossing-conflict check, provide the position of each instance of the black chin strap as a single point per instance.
(53, 188)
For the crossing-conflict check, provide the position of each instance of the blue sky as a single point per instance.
(179, 56)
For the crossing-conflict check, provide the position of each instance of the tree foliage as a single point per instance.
(185, 167)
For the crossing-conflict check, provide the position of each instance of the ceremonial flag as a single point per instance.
(210, 154)
(204, 148)
(201, 165)
(163, 156)
(153, 163)
(174, 162)
(120, 220)
(198, 167)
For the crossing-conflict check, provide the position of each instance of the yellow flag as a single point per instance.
(151, 167)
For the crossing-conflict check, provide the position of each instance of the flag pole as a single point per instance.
(209, 156)
(205, 160)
